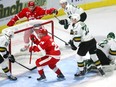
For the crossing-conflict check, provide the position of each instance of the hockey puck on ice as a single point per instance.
(29, 76)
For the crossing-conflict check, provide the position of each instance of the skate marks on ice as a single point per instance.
(68, 67)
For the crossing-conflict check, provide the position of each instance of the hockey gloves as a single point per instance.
(55, 12)
(65, 23)
(34, 39)
(11, 58)
(34, 48)
(73, 47)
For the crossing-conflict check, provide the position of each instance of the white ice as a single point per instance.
(101, 21)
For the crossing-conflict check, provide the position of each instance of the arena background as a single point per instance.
(8, 8)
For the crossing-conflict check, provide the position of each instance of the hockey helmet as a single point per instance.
(31, 3)
(63, 1)
(75, 16)
(8, 33)
(43, 31)
(111, 35)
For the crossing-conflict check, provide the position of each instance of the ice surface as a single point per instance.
(101, 21)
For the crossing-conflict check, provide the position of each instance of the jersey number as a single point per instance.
(55, 46)
(103, 43)
(85, 29)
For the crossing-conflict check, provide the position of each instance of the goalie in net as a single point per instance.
(106, 52)
(50, 51)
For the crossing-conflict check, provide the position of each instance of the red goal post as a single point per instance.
(26, 26)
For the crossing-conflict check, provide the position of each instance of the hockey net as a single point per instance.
(17, 42)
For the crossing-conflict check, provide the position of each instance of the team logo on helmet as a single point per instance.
(31, 3)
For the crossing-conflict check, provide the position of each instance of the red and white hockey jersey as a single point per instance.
(47, 44)
(37, 13)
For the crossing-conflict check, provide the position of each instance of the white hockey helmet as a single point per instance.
(63, 1)
(75, 16)
(8, 33)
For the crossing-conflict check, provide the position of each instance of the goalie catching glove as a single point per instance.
(9, 56)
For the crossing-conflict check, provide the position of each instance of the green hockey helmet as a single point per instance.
(111, 35)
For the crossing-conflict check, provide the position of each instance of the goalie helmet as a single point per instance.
(111, 35)
(63, 1)
(8, 33)
(75, 16)
(31, 3)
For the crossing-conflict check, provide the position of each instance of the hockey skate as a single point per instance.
(42, 78)
(81, 73)
(25, 48)
(61, 77)
(101, 71)
(12, 78)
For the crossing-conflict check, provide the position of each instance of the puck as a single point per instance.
(29, 76)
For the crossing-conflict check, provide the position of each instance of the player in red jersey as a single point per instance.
(31, 12)
(50, 51)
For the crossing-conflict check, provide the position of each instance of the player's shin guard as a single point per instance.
(58, 72)
(98, 64)
(82, 69)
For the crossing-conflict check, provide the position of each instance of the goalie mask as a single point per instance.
(8, 33)
(111, 35)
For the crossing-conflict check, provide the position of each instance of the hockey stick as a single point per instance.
(25, 66)
(31, 53)
(59, 39)
(56, 17)
(36, 25)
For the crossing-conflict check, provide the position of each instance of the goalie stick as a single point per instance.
(25, 66)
